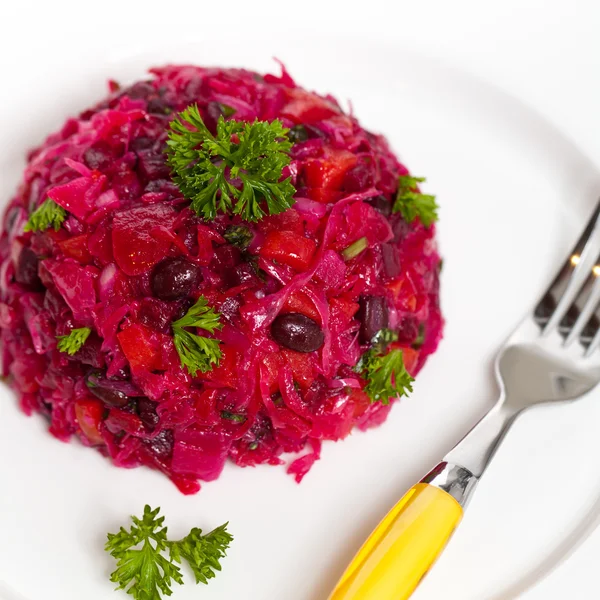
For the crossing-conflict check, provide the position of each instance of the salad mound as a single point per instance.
(166, 336)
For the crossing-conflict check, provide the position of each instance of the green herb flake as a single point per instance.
(46, 215)
(235, 171)
(73, 342)
(239, 235)
(230, 416)
(196, 352)
(411, 203)
(386, 375)
(420, 337)
(354, 249)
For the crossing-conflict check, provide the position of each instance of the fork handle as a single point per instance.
(404, 546)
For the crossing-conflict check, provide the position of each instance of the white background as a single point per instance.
(545, 53)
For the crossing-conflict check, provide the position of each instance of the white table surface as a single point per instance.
(546, 53)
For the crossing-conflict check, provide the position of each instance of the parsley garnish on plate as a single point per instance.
(196, 352)
(145, 572)
(386, 375)
(410, 203)
(72, 342)
(47, 214)
(234, 171)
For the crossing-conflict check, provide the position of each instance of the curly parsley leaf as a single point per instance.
(145, 572)
(142, 570)
(385, 374)
(196, 352)
(234, 171)
(74, 341)
(203, 553)
(46, 215)
(412, 204)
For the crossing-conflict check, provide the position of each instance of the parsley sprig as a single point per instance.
(145, 572)
(233, 171)
(196, 352)
(73, 342)
(203, 552)
(386, 375)
(47, 214)
(412, 204)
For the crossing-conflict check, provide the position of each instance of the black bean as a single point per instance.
(408, 329)
(147, 412)
(162, 444)
(141, 143)
(359, 178)
(174, 278)
(382, 204)
(26, 271)
(297, 332)
(109, 397)
(141, 89)
(99, 156)
(152, 165)
(158, 106)
(391, 260)
(157, 314)
(400, 228)
(230, 307)
(373, 317)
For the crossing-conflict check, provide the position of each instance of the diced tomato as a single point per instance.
(302, 367)
(77, 248)
(289, 248)
(140, 345)
(119, 420)
(299, 302)
(289, 220)
(323, 176)
(409, 355)
(328, 172)
(396, 286)
(343, 308)
(324, 195)
(88, 413)
(305, 107)
(272, 364)
(361, 402)
(226, 373)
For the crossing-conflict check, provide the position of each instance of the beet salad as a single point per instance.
(214, 264)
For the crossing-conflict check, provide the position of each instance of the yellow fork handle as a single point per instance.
(403, 548)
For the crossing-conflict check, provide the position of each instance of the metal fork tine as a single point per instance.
(582, 260)
(593, 344)
(589, 307)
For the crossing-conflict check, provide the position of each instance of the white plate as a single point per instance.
(513, 193)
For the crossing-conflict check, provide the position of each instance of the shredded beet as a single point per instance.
(300, 293)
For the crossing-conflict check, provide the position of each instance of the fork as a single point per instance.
(550, 357)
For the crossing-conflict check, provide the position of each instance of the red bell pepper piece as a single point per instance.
(226, 373)
(299, 302)
(88, 413)
(302, 367)
(77, 248)
(141, 347)
(289, 248)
